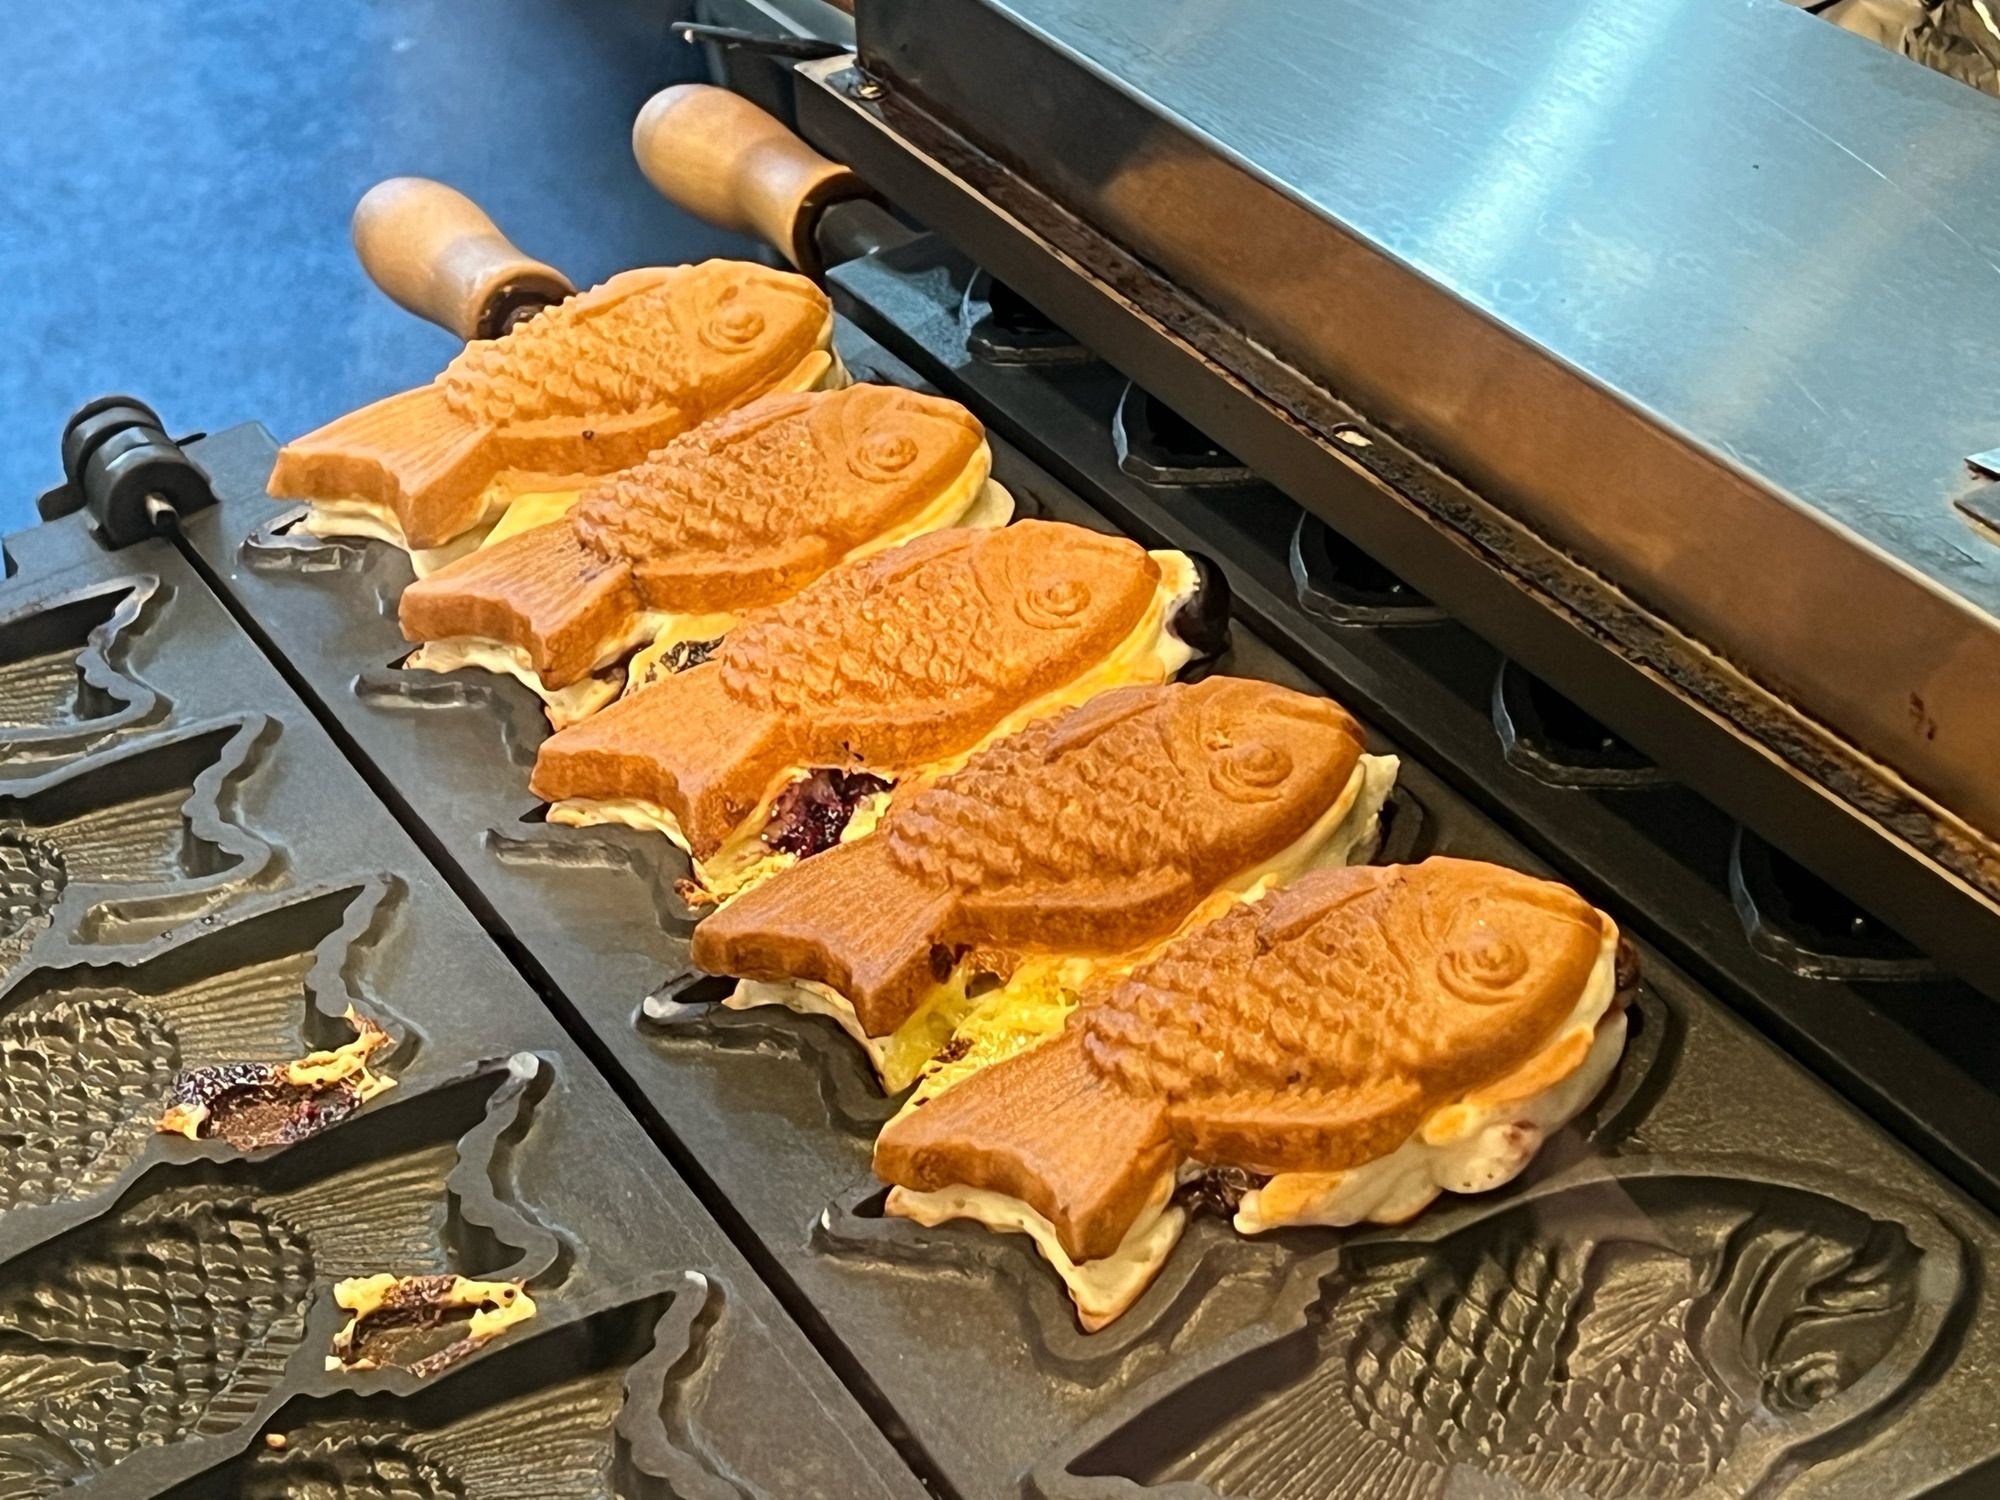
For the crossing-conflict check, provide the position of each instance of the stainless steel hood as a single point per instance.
(1699, 297)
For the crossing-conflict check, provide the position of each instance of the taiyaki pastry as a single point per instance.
(740, 513)
(251, 1104)
(1071, 847)
(1340, 1051)
(422, 1323)
(791, 737)
(585, 388)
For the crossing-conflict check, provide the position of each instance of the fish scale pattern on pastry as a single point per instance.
(1418, 978)
(585, 388)
(1184, 786)
(742, 512)
(887, 664)
(1311, 1031)
(859, 643)
(577, 360)
(998, 824)
(816, 474)
(1092, 833)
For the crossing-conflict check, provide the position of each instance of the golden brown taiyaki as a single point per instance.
(1092, 834)
(1363, 1039)
(585, 388)
(883, 668)
(742, 512)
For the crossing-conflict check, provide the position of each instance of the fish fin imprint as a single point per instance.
(342, 1467)
(850, 918)
(409, 452)
(683, 743)
(541, 591)
(1629, 1290)
(1047, 1128)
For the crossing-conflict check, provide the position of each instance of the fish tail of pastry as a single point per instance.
(851, 919)
(411, 453)
(540, 590)
(1048, 1128)
(683, 743)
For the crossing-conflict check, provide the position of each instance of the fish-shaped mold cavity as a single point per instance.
(178, 1315)
(139, 833)
(1673, 1332)
(1089, 835)
(740, 513)
(582, 390)
(589, 1410)
(887, 667)
(63, 685)
(93, 1057)
(1358, 1042)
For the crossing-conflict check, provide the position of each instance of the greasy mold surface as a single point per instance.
(595, 1410)
(63, 683)
(89, 1051)
(775, 1112)
(1657, 1328)
(130, 836)
(226, 902)
(179, 1314)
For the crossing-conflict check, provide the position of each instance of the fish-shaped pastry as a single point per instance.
(891, 666)
(740, 513)
(1080, 840)
(1364, 1039)
(585, 388)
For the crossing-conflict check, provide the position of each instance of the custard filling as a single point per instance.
(1101, 1288)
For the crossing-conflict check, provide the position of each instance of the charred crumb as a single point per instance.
(684, 654)
(450, 1354)
(694, 896)
(1627, 966)
(253, 1104)
(1218, 1190)
(677, 658)
(1201, 621)
(279, 1114)
(810, 815)
(943, 958)
(404, 1326)
(203, 1087)
(953, 1050)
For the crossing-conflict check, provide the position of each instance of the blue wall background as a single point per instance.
(176, 178)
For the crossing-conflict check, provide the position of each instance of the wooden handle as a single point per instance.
(434, 251)
(723, 159)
